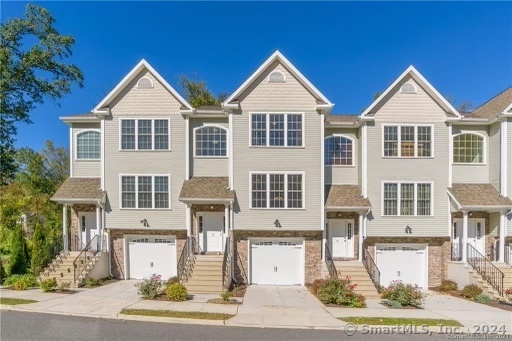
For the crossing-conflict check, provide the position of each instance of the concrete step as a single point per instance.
(195, 282)
(203, 289)
(206, 277)
(200, 267)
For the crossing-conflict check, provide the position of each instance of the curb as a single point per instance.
(236, 324)
(170, 320)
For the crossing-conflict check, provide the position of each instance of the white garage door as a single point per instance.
(152, 255)
(277, 262)
(407, 263)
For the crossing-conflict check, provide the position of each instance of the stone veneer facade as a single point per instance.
(313, 245)
(75, 222)
(439, 253)
(117, 246)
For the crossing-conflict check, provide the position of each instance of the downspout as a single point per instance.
(322, 182)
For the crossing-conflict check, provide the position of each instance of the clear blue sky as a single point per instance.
(348, 50)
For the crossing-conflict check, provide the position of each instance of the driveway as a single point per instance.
(283, 307)
(104, 301)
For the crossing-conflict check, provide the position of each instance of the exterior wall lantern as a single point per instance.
(277, 223)
(408, 229)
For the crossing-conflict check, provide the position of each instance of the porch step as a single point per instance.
(206, 276)
(62, 268)
(358, 275)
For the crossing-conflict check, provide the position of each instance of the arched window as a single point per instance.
(338, 151)
(408, 88)
(468, 148)
(88, 145)
(276, 77)
(145, 83)
(211, 141)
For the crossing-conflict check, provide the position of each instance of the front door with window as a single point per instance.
(210, 231)
(88, 227)
(476, 233)
(341, 233)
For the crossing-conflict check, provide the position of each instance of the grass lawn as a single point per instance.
(390, 321)
(15, 301)
(177, 314)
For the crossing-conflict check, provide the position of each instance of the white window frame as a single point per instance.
(149, 79)
(76, 145)
(276, 71)
(267, 115)
(399, 133)
(399, 186)
(267, 173)
(210, 156)
(137, 192)
(353, 149)
(484, 147)
(152, 119)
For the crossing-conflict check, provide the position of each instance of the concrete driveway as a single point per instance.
(104, 301)
(283, 307)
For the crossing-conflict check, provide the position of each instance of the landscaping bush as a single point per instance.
(317, 285)
(2, 272)
(150, 287)
(172, 280)
(405, 294)
(91, 282)
(226, 296)
(340, 292)
(18, 264)
(471, 291)
(48, 285)
(24, 281)
(508, 294)
(448, 285)
(64, 285)
(483, 298)
(176, 292)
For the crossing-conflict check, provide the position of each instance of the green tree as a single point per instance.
(30, 73)
(2, 272)
(198, 94)
(19, 253)
(41, 249)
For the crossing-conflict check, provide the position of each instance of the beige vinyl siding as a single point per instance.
(145, 103)
(509, 171)
(473, 173)
(494, 224)
(278, 97)
(403, 109)
(360, 158)
(207, 166)
(344, 174)
(83, 168)
(494, 155)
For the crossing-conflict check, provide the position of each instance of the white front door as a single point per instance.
(88, 227)
(211, 227)
(476, 233)
(342, 238)
(277, 262)
(399, 262)
(152, 255)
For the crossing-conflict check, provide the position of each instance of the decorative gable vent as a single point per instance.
(408, 88)
(276, 77)
(144, 83)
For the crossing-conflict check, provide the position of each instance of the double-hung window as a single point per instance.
(145, 191)
(407, 199)
(407, 141)
(277, 130)
(277, 190)
(144, 134)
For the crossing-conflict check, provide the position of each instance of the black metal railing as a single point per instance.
(508, 256)
(226, 266)
(456, 252)
(196, 249)
(329, 261)
(84, 257)
(495, 252)
(182, 262)
(484, 267)
(371, 268)
(241, 271)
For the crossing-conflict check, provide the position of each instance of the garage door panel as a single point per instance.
(147, 256)
(406, 263)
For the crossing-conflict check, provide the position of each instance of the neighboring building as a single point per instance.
(280, 186)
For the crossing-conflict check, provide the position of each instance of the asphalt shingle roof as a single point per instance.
(341, 118)
(345, 196)
(206, 188)
(79, 188)
(494, 106)
(478, 195)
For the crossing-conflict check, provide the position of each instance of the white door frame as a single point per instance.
(349, 249)
(472, 230)
(202, 236)
(86, 222)
(303, 256)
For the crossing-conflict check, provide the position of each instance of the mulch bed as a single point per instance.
(220, 300)
(403, 307)
(495, 304)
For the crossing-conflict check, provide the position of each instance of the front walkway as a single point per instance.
(283, 307)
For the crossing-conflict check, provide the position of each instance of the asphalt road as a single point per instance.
(35, 326)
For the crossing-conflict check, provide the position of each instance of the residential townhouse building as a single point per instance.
(285, 191)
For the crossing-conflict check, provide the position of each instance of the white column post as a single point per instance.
(226, 224)
(65, 228)
(360, 252)
(98, 225)
(188, 223)
(465, 222)
(324, 235)
(503, 221)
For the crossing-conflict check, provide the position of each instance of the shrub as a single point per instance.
(340, 292)
(2, 272)
(91, 282)
(226, 296)
(483, 298)
(18, 253)
(317, 285)
(393, 304)
(508, 294)
(471, 291)
(176, 292)
(41, 251)
(172, 280)
(48, 285)
(405, 294)
(149, 287)
(448, 285)
(28, 280)
(64, 285)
